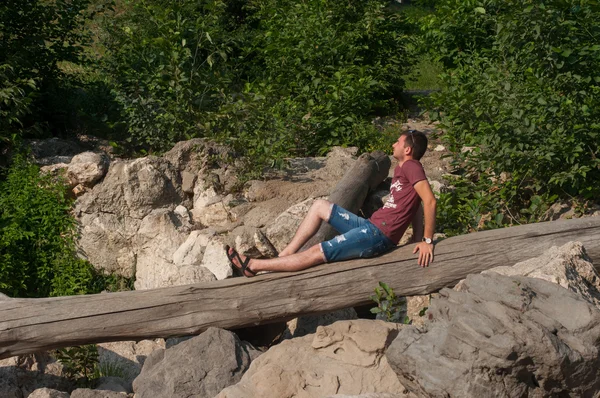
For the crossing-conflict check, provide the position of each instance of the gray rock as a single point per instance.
(281, 231)
(199, 367)
(156, 241)
(502, 337)
(188, 181)
(87, 393)
(215, 259)
(135, 188)
(112, 383)
(568, 266)
(21, 375)
(87, 168)
(111, 214)
(126, 358)
(192, 250)
(48, 393)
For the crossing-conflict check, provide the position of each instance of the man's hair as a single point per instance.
(417, 141)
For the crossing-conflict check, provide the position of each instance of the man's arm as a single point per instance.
(429, 206)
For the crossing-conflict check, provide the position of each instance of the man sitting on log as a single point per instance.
(361, 238)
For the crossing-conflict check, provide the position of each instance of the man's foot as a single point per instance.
(239, 263)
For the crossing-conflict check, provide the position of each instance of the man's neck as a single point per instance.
(406, 159)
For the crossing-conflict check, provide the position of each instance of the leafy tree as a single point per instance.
(526, 101)
(36, 36)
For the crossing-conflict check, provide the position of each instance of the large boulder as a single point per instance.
(502, 337)
(199, 367)
(112, 213)
(343, 358)
(568, 266)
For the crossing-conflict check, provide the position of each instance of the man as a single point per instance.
(360, 237)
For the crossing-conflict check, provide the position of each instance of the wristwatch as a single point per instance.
(427, 240)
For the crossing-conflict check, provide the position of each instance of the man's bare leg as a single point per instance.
(319, 211)
(293, 262)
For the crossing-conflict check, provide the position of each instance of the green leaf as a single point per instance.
(479, 10)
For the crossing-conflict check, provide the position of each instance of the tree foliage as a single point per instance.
(37, 250)
(523, 93)
(271, 77)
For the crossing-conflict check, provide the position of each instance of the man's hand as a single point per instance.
(425, 253)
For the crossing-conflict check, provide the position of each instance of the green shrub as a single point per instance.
(526, 99)
(37, 252)
(272, 77)
(35, 37)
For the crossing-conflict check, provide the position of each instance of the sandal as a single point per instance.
(244, 264)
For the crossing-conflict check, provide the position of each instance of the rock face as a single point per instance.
(502, 337)
(199, 367)
(111, 215)
(568, 266)
(343, 358)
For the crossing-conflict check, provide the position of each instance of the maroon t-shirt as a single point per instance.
(396, 214)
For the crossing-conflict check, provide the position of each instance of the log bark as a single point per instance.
(30, 325)
(366, 174)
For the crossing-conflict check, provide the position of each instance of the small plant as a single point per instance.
(79, 364)
(389, 308)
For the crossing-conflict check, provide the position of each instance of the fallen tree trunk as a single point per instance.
(30, 325)
(369, 170)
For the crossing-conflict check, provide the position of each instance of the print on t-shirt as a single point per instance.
(395, 187)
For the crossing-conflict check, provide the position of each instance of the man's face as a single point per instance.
(399, 151)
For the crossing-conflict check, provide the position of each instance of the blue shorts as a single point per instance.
(359, 239)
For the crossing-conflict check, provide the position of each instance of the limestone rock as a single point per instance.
(55, 169)
(281, 231)
(87, 393)
(127, 357)
(48, 393)
(106, 240)
(215, 259)
(112, 383)
(196, 156)
(245, 242)
(308, 324)
(502, 337)
(416, 307)
(156, 241)
(113, 211)
(21, 375)
(188, 181)
(199, 367)
(264, 245)
(343, 358)
(568, 266)
(192, 250)
(87, 168)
